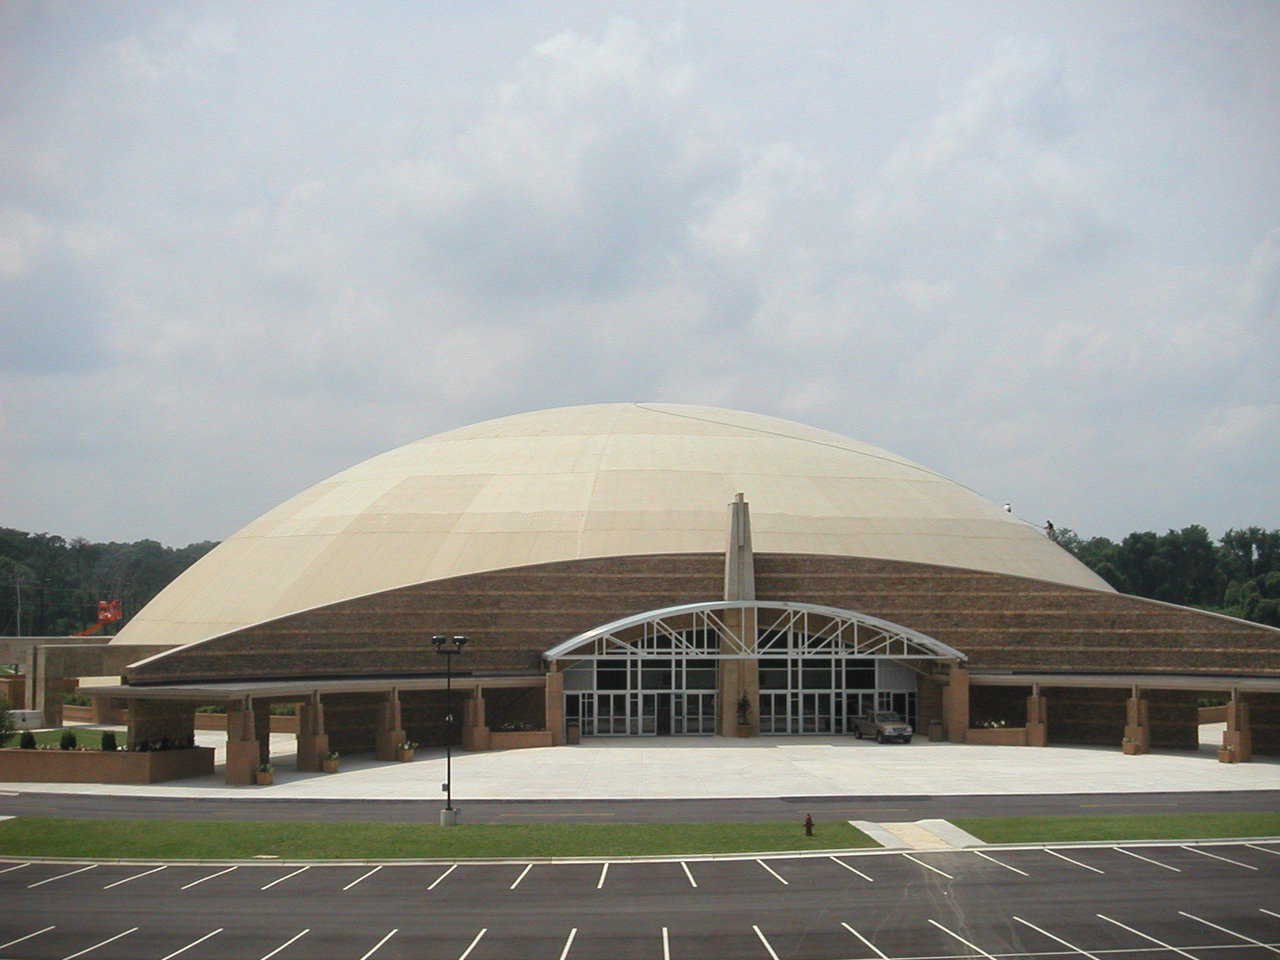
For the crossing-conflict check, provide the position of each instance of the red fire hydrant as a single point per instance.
(808, 825)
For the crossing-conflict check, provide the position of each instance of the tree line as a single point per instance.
(57, 583)
(1239, 574)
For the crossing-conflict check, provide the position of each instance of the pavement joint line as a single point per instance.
(568, 944)
(296, 936)
(436, 882)
(1247, 866)
(40, 883)
(1076, 862)
(1145, 936)
(971, 946)
(765, 941)
(196, 883)
(28, 936)
(193, 943)
(927, 867)
(657, 858)
(1210, 923)
(666, 945)
(516, 882)
(1051, 936)
(145, 873)
(1138, 856)
(877, 950)
(285, 877)
(72, 956)
(379, 944)
(852, 869)
(363, 876)
(687, 873)
(775, 873)
(467, 952)
(998, 863)
(604, 872)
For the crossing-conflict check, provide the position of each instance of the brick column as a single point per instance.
(555, 706)
(1037, 719)
(955, 704)
(1237, 739)
(390, 732)
(475, 732)
(243, 750)
(313, 741)
(1137, 728)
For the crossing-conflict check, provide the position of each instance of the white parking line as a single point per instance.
(666, 945)
(467, 952)
(377, 945)
(117, 883)
(864, 940)
(1251, 846)
(568, 943)
(1076, 862)
(1138, 856)
(436, 882)
(971, 946)
(1051, 936)
(604, 872)
(21, 865)
(771, 870)
(195, 883)
(1181, 953)
(515, 883)
(296, 936)
(363, 876)
(999, 864)
(1202, 853)
(767, 946)
(851, 870)
(72, 956)
(1256, 943)
(284, 878)
(27, 937)
(1270, 913)
(211, 933)
(692, 882)
(40, 883)
(927, 867)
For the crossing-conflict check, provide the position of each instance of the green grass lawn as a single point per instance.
(84, 738)
(179, 839)
(1160, 826)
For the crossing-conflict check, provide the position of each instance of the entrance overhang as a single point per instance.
(745, 628)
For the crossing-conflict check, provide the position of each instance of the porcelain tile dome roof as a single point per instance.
(614, 479)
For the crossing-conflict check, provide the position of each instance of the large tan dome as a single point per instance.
(616, 479)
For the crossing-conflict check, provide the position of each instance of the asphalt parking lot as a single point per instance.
(1197, 900)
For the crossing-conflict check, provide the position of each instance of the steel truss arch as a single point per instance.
(747, 630)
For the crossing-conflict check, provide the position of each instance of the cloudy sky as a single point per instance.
(1035, 246)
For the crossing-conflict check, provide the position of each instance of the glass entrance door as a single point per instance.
(693, 714)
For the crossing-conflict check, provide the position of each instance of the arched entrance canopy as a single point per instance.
(809, 629)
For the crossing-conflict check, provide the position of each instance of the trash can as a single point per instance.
(572, 733)
(935, 731)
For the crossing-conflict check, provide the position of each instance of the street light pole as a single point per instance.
(448, 647)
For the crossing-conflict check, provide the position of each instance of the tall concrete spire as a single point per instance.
(739, 562)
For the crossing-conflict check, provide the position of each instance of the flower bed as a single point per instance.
(517, 739)
(104, 766)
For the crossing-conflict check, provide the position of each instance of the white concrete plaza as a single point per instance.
(688, 767)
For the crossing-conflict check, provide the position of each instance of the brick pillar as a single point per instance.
(1237, 739)
(390, 732)
(243, 749)
(955, 704)
(48, 690)
(313, 741)
(1137, 728)
(475, 732)
(1037, 720)
(555, 706)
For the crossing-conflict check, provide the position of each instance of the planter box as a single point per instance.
(745, 730)
(103, 766)
(518, 739)
(330, 766)
(1213, 714)
(998, 736)
(264, 779)
(404, 756)
(75, 713)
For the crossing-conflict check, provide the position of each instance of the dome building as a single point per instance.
(633, 569)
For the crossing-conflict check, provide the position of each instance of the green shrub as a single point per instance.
(76, 699)
(68, 741)
(6, 720)
(109, 740)
(283, 709)
(27, 741)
